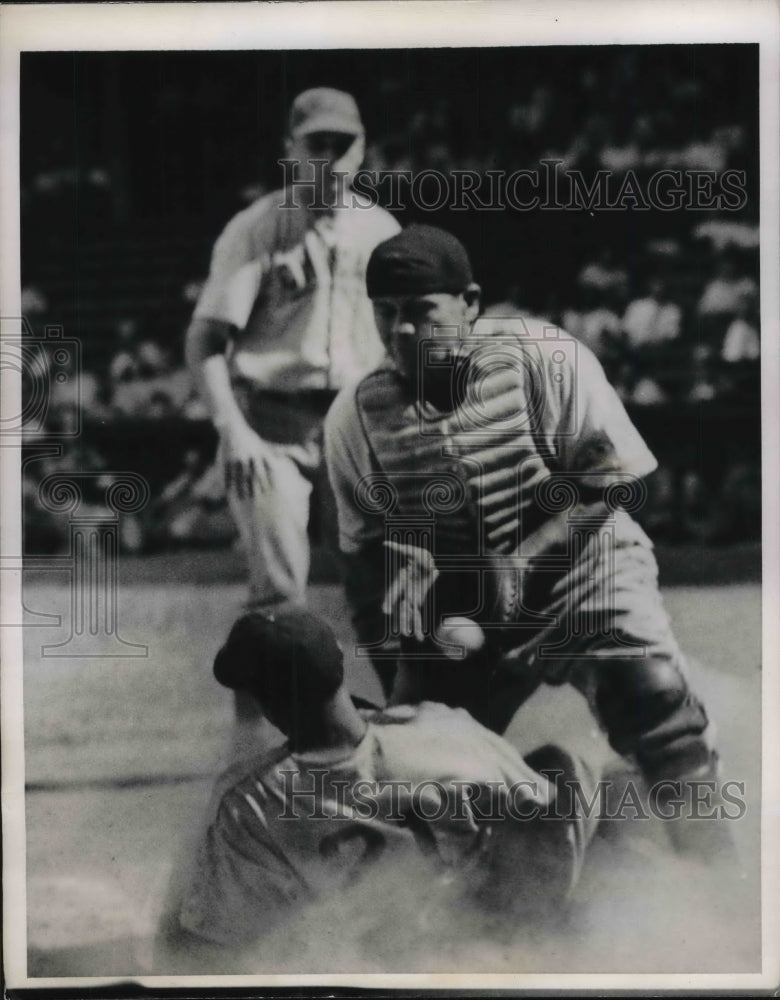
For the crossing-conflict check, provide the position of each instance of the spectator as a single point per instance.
(597, 325)
(206, 520)
(135, 357)
(647, 392)
(708, 153)
(130, 397)
(160, 405)
(151, 360)
(742, 341)
(640, 151)
(603, 275)
(654, 319)
(601, 331)
(194, 408)
(703, 381)
(191, 510)
(34, 303)
(45, 531)
(152, 387)
(435, 155)
(73, 394)
(637, 388)
(585, 150)
(723, 233)
(169, 383)
(721, 297)
(124, 365)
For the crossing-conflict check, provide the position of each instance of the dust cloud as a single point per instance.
(638, 908)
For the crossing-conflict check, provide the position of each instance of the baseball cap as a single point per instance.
(323, 109)
(284, 658)
(418, 261)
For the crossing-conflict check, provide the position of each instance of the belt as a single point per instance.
(285, 417)
(316, 400)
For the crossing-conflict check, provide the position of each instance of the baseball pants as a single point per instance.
(273, 511)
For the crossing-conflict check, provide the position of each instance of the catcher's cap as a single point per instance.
(417, 261)
(284, 658)
(324, 110)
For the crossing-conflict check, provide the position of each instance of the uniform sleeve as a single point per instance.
(239, 890)
(245, 240)
(387, 225)
(595, 434)
(361, 535)
(348, 461)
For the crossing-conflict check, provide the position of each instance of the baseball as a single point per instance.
(461, 632)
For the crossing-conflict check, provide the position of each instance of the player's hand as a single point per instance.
(408, 592)
(246, 460)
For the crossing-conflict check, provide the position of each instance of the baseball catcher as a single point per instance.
(485, 473)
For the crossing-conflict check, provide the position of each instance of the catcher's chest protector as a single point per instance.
(470, 474)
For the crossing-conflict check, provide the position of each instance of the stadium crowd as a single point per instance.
(675, 326)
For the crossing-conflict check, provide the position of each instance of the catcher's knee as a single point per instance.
(650, 712)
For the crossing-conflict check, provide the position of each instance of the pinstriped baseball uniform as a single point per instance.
(528, 436)
(292, 283)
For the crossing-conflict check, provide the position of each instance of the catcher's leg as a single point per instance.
(614, 642)
(651, 715)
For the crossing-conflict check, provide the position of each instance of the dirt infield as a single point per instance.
(119, 756)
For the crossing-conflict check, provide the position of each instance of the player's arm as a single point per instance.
(205, 347)
(177, 948)
(361, 533)
(222, 311)
(243, 888)
(243, 450)
(597, 439)
(584, 432)
(385, 583)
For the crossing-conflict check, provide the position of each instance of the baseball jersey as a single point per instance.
(292, 281)
(544, 409)
(295, 827)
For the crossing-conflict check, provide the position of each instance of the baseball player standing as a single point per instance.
(282, 323)
(504, 442)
